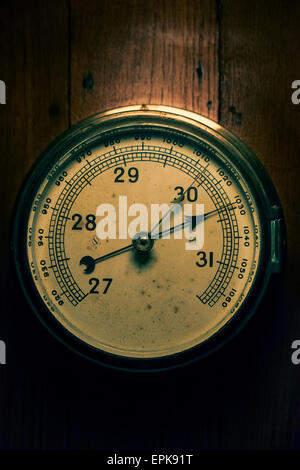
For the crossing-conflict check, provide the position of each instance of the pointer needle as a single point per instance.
(175, 201)
(90, 262)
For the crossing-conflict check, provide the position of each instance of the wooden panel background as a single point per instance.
(230, 60)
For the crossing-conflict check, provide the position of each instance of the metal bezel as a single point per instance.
(257, 178)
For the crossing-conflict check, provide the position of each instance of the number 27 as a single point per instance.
(95, 283)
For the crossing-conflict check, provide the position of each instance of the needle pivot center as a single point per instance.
(142, 242)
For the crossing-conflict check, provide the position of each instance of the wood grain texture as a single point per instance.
(144, 51)
(34, 65)
(260, 43)
(260, 46)
(232, 60)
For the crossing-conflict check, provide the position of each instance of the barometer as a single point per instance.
(145, 237)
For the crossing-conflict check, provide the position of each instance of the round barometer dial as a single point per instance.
(145, 236)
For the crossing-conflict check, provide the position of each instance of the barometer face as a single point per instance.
(145, 236)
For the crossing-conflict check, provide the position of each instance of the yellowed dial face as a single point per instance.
(106, 264)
